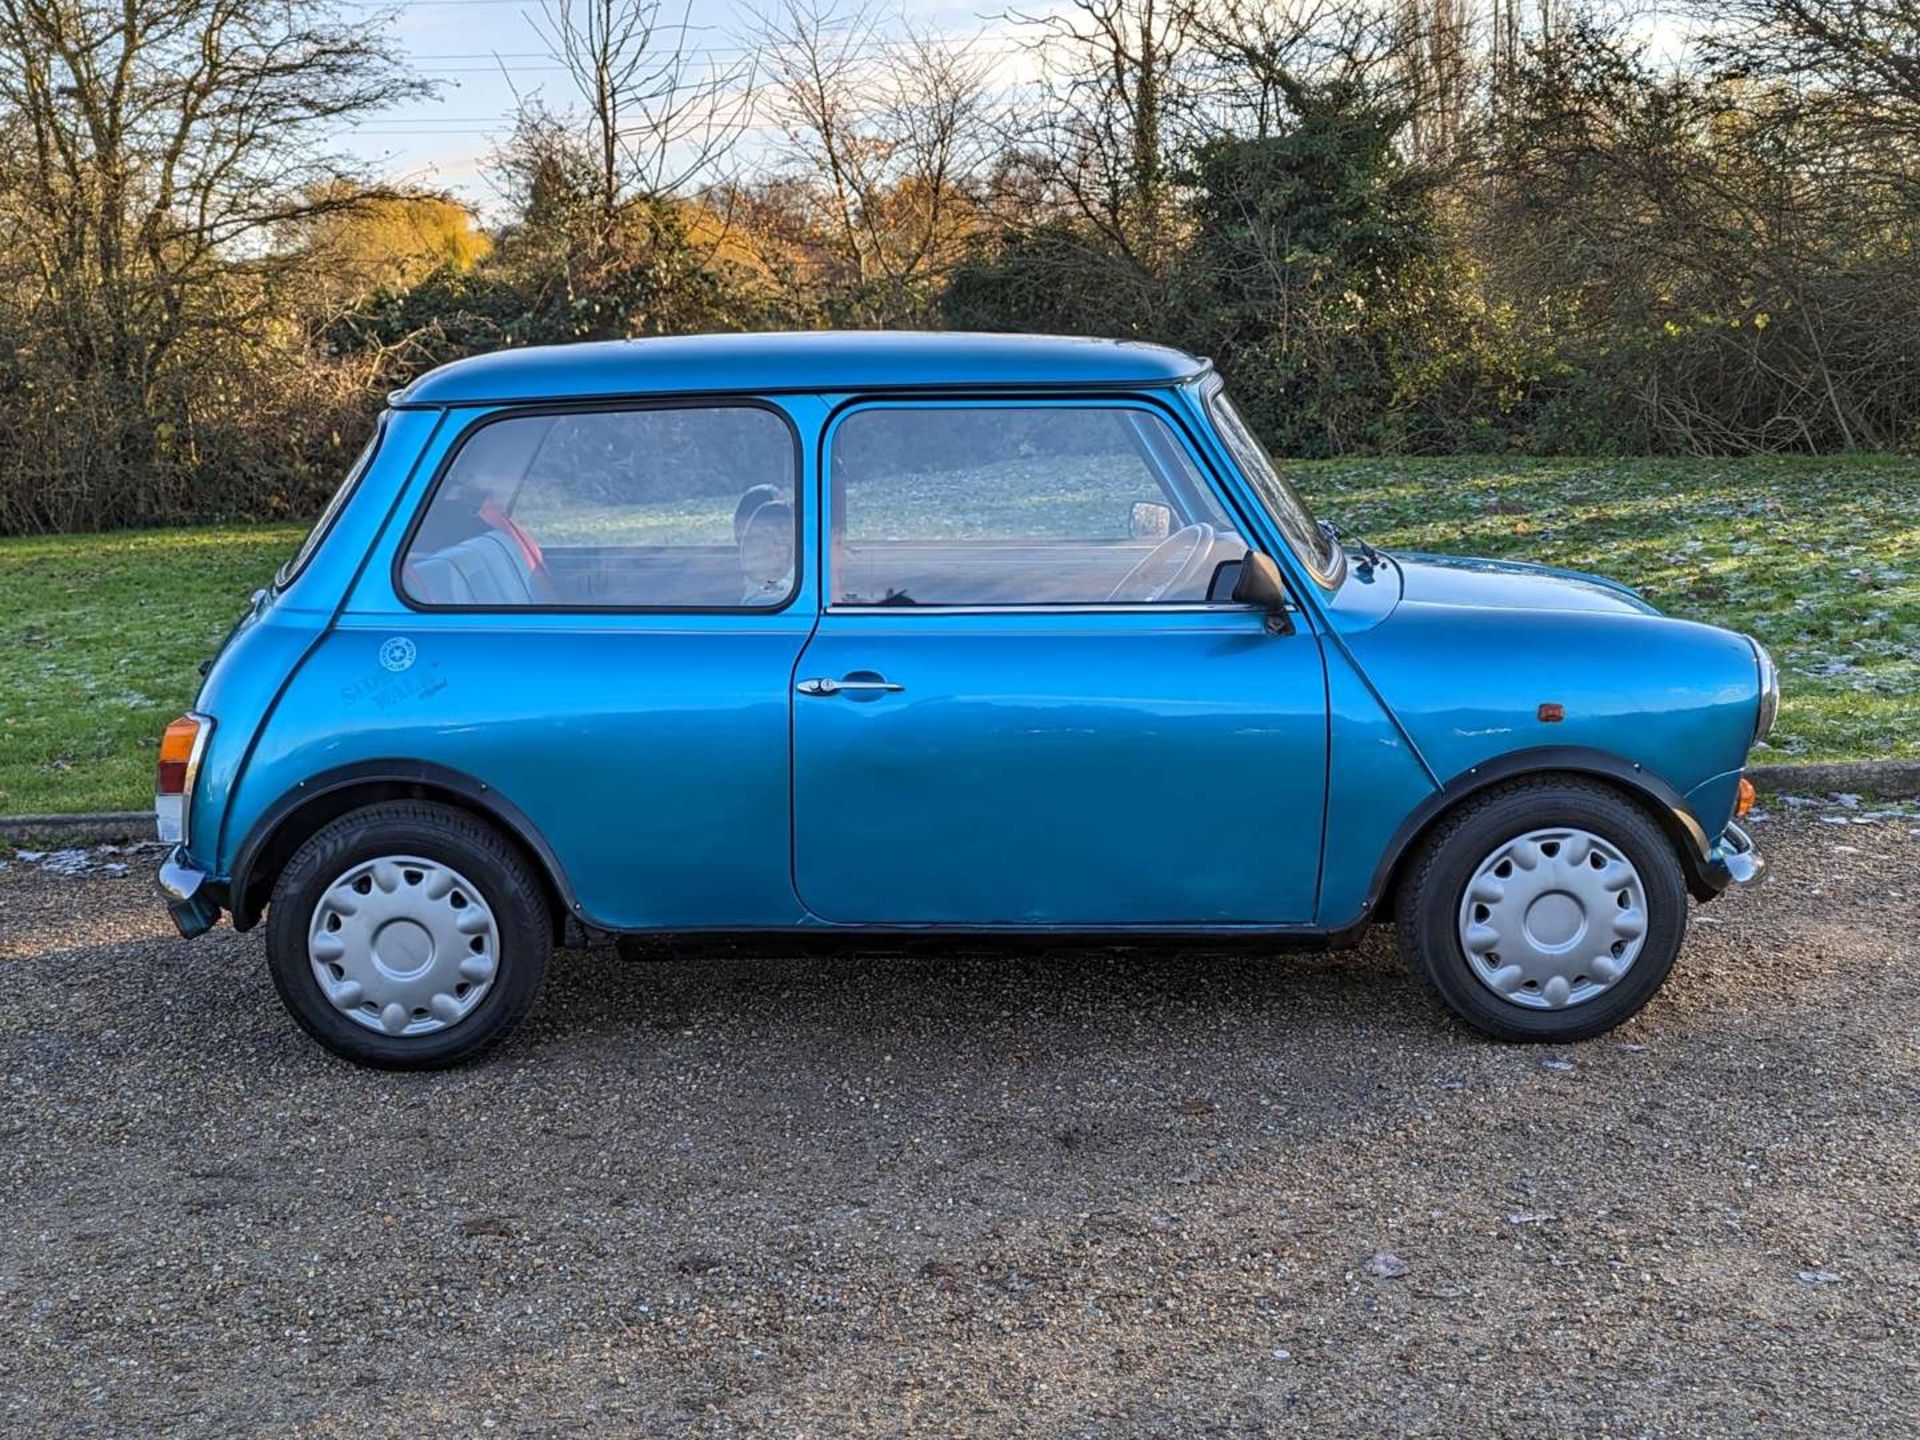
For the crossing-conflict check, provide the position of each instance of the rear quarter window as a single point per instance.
(648, 508)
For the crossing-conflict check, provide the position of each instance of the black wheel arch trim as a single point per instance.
(1691, 842)
(477, 794)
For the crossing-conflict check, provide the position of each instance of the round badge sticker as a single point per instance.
(397, 654)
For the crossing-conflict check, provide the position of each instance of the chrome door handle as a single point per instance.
(827, 686)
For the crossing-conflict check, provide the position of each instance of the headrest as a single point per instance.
(766, 545)
(755, 497)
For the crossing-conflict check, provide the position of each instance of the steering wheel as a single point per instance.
(1172, 563)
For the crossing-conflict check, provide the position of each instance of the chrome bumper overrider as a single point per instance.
(1738, 857)
(182, 887)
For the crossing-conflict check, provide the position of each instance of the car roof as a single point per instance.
(826, 360)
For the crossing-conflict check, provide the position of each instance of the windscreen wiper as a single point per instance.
(1370, 555)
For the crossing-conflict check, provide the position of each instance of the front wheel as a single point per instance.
(407, 935)
(1546, 910)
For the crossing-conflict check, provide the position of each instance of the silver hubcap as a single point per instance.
(1552, 919)
(402, 945)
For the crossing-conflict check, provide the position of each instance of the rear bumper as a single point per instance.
(185, 891)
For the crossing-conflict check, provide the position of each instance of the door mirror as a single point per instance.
(1148, 521)
(1260, 586)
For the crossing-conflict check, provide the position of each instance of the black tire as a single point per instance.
(431, 832)
(1434, 885)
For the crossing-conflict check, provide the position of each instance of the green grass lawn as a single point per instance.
(1817, 556)
(99, 637)
(99, 634)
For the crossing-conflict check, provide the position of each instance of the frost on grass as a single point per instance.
(1817, 556)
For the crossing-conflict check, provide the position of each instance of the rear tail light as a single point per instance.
(181, 746)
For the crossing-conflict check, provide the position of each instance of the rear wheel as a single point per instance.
(1547, 910)
(408, 935)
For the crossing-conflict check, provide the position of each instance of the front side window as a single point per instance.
(1022, 505)
(688, 508)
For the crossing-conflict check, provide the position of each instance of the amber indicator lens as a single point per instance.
(1744, 802)
(1551, 713)
(176, 749)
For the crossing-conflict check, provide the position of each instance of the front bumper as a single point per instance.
(185, 891)
(1734, 860)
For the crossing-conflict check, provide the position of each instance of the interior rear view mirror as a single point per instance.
(1260, 586)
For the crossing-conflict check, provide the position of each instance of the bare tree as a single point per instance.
(161, 145)
(1434, 43)
(1256, 56)
(658, 117)
(1848, 68)
(891, 131)
(1112, 72)
(813, 58)
(933, 107)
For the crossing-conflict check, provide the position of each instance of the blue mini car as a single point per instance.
(867, 634)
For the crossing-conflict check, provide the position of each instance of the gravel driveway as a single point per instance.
(1093, 1193)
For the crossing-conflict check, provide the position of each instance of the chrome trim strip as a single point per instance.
(962, 389)
(1143, 607)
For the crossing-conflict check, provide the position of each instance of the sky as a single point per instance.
(481, 52)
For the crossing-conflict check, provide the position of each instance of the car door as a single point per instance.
(1027, 702)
